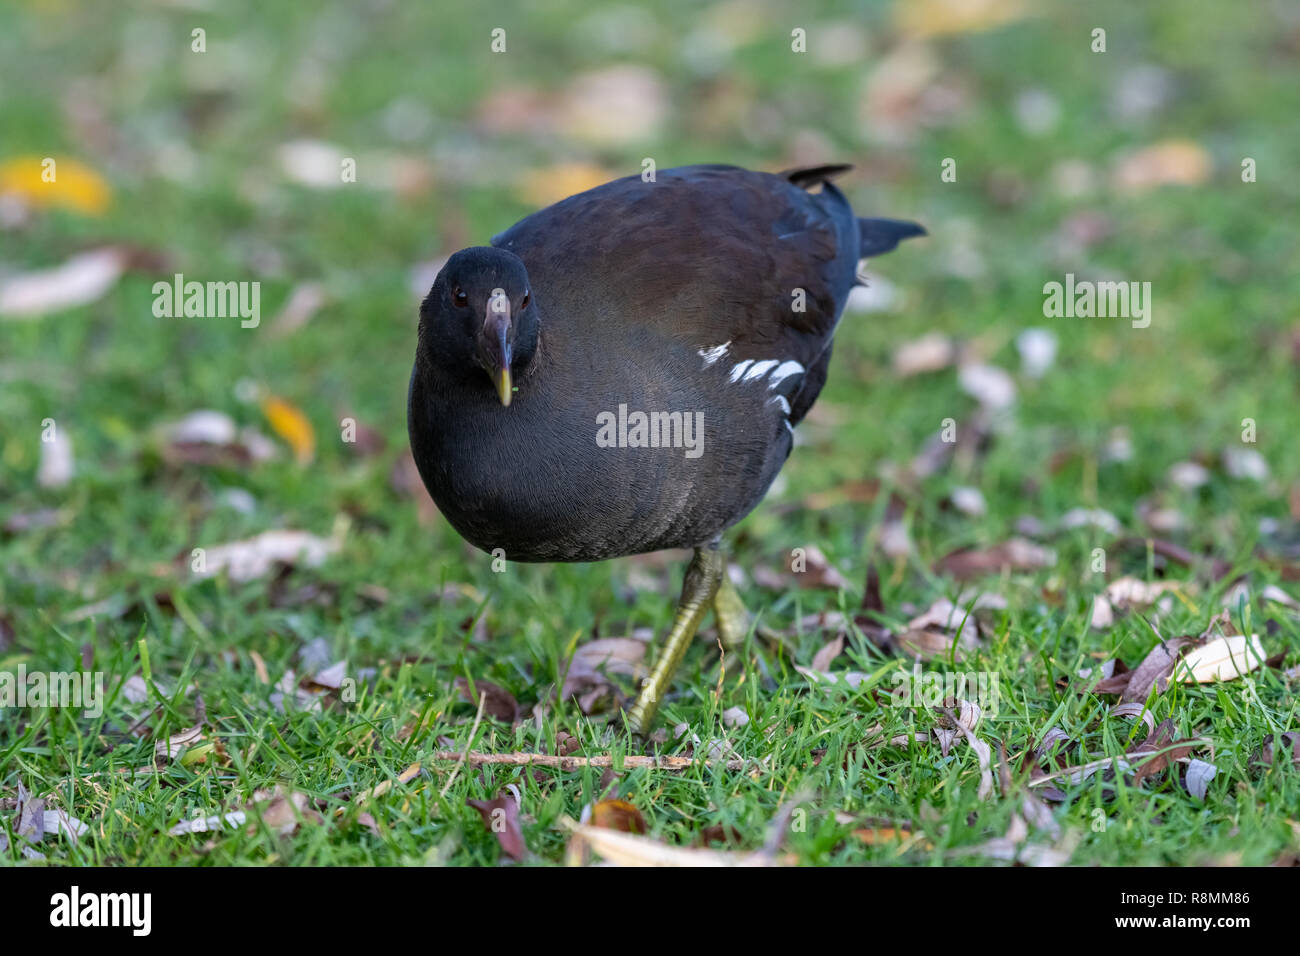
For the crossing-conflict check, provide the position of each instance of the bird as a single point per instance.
(622, 372)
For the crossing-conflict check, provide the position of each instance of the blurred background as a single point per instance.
(208, 138)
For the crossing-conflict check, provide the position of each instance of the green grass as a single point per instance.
(1220, 257)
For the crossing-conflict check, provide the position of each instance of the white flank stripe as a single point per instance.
(761, 368)
(781, 403)
(739, 370)
(712, 355)
(784, 371)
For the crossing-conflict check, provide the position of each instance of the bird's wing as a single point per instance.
(710, 256)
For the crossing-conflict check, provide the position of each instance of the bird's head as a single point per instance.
(480, 312)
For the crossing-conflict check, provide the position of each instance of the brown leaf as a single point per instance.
(287, 811)
(592, 663)
(1274, 748)
(822, 659)
(1016, 554)
(501, 817)
(500, 703)
(1134, 686)
(1164, 748)
(816, 571)
(618, 815)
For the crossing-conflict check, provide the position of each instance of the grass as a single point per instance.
(191, 157)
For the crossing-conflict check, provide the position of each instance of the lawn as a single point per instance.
(322, 695)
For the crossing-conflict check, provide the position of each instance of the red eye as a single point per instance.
(459, 297)
(523, 303)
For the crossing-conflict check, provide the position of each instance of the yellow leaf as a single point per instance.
(1173, 162)
(928, 18)
(51, 181)
(545, 186)
(291, 425)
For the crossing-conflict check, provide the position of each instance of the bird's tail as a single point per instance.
(878, 236)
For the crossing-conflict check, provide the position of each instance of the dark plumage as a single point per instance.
(713, 291)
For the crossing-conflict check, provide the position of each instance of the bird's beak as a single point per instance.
(496, 334)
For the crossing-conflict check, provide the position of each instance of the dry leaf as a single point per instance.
(927, 18)
(81, 280)
(254, 557)
(57, 461)
(617, 815)
(76, 186)
(500, 703)
(627, 849)
(1016, 554)
(546, 186)
(818, 572)
(930, 353)
(291, 425)
(1176, 162)
(614, 106)
(1222, 658)
(1134, 686)
(501, 818)
(593, 661)
(1160, 749)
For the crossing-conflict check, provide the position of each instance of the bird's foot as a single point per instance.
(733, 620)
(699, 590)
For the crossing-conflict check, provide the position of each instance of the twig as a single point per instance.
(631, 761)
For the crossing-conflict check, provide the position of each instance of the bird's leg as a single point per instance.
(729, 612)
(703, 575)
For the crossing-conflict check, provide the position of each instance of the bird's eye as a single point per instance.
(523, 303)
(459, 297)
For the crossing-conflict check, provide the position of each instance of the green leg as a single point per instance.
(706, 571)
(729, 612)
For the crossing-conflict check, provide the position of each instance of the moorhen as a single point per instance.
(622, 372)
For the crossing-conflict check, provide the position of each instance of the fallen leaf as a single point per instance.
(211, 438)
(228, 821)
(818, 571)
(617, 815)
(1277, 747)
(1177, 162)
(75, 185)
(543, 187)
(821, 661)
(1135, 686)
(291, 425)
(1199, 775)
(501, 818)
(627, 849)
(304, 302)
(927, 18)
(254, 557)
(1015, 554)
(500, 703)
(83, 279)
(614, 106)
(1160, 749)
(287, 811)
(930, 353)
(1222, 658)
(57, 461)
(593, 661)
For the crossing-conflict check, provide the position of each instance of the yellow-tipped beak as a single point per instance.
(505, 387)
